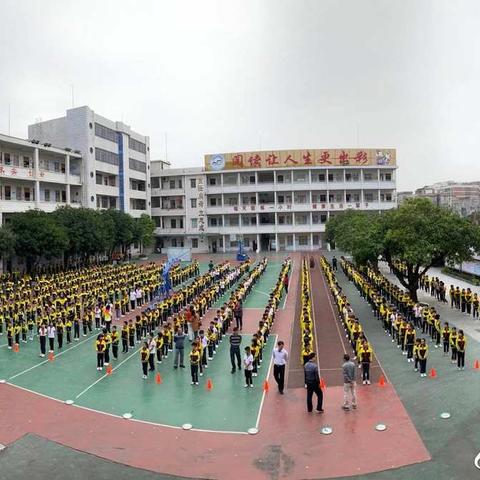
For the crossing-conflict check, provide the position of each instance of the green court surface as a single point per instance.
(72, 375)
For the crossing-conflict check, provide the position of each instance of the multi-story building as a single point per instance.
(34, 175)
(116, 160)
(275, 200)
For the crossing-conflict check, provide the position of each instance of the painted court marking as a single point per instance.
(56, 356)
(266, 378)
(106, 375)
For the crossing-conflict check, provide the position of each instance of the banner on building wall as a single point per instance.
(301, 158)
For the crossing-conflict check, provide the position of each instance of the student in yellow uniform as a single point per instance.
(115, 341)
(100, 349)
(422, 352)
(194, 362)
(461, 347)
(144, 355)
(453, 344)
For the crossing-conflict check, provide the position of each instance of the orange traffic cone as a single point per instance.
(209, 384)
(158, 379)
(381, 382)
(323, 385)
(433, 373)
(109, 369)
(16, 347)
(51, 357)
(476, 365)
(266, 386)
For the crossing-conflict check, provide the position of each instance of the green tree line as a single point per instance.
(72, 233)
(418, 234)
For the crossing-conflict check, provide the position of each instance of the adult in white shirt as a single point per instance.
(51, 336)
(133, 299)
(280, 358)
(138, 295)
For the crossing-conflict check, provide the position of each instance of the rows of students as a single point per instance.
(463, 299)
(61, 327)
(169, 315)
(358, 340)
(306, 324)
(206, 341)
(401, 317)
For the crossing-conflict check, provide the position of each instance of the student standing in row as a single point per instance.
(235, 342)
(194, 362)
(144, 355)
(115, 341)
(51, 336)
(422, 352)
(100, 349)
(42, 334)
(248, 367)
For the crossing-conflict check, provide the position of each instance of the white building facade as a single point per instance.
(273, 200)
(36, 176)
(116, 160)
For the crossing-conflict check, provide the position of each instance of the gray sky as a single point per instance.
(222, 76)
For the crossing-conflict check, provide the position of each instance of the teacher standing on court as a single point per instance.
(280, 357)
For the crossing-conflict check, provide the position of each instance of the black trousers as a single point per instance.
(43, 344)
(100, 360)
(151, 361)
(145, 368)
(460, 359)
(365, 371)
(115, 351)
(235, 354)
(194, 372)
(279, 375)
(124, 345)
(314, 387)
(51, 342)
(239, 321)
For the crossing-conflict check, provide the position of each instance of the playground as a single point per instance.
(219, 429)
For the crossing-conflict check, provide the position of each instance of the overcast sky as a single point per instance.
(224, 76)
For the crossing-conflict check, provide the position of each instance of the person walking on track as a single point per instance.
(349, 383)
(312, 380)
(280, 357)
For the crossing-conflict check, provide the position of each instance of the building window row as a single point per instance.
(138, 204)
(136, 145)
(137, 165)
(15, 160)
(104, 132)
(105, 156)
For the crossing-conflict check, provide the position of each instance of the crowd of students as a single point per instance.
(353, 328)
(64, 305)
(463, 299)
(306, 324)
(405, 320)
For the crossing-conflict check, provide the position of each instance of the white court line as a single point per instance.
(266, 378)
(263, 293)
(34, 392)
(6, 345)
(106, 374)
(56, 356)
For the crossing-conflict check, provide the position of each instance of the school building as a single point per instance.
(268, 200)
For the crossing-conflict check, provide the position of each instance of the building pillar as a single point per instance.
(311, 241)
(277, 246)
(224, 243)
(294, 242)
(67, 177)
(258, 242)
(36, 166)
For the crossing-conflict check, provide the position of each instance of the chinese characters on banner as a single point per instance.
(328, 157)
(201, 206)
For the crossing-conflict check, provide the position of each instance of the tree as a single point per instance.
(7, 242)
(143, 231)
(418, 234)
(123, 228)
(38, 235)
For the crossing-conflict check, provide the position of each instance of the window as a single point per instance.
(106, 156)
(367, 177)
(212, 181)
(173, 223)
(193, 183)
(64, 196)
(46, 194)
(136, 145)
(171, 184)
(303, 240)
(194, 222)
(155, 202)
(213, 222)
(213, 202)
(194, 242)
(280, 199)
(321, 177)
(6, 159)
(280, 178)
(104, 132)
(137, 165)
(26, 162)
(330, 177)
(155, 182)
(369, 197)
(193, 202)
(174, 242)
(98, 179)
(180, 183)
